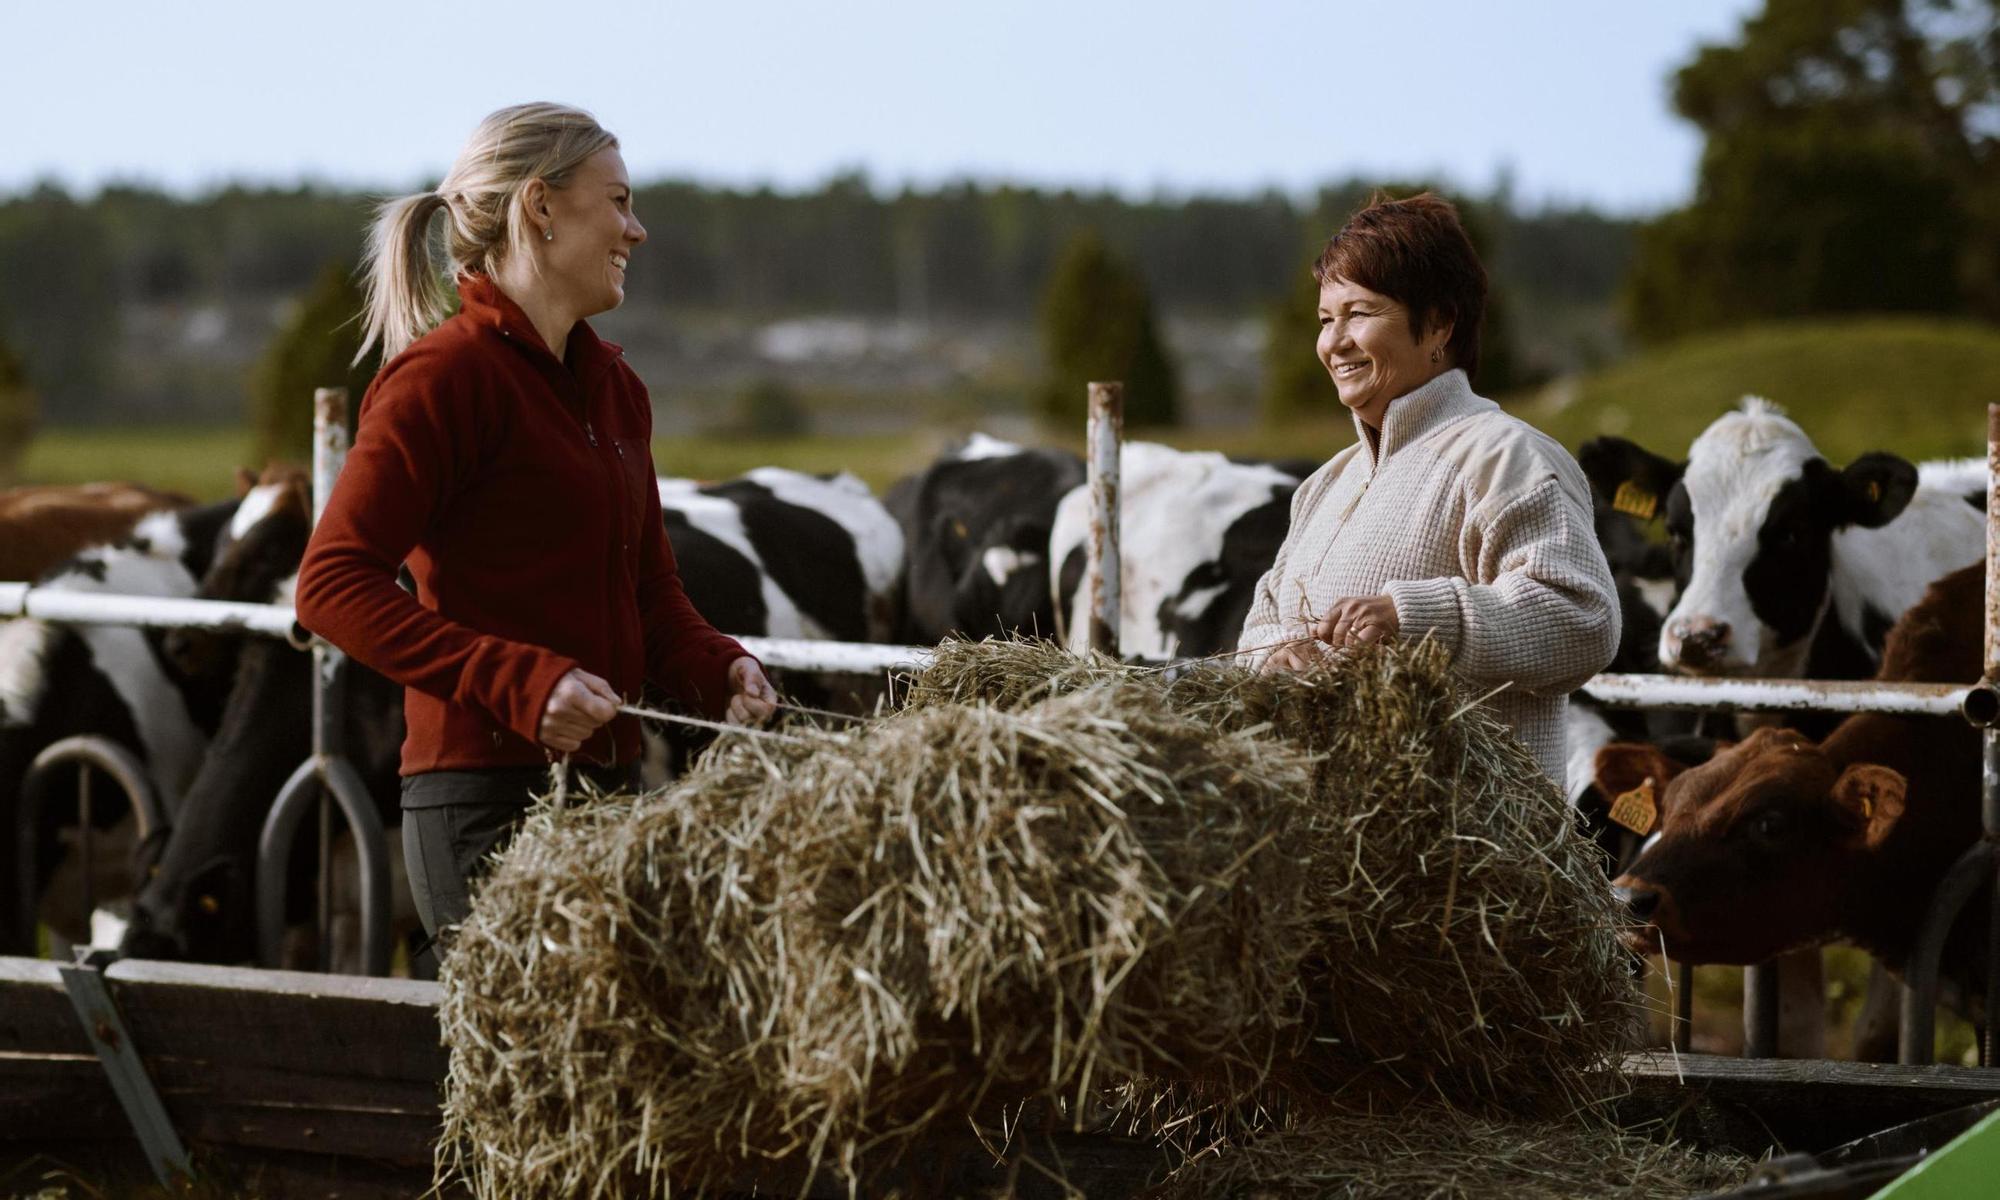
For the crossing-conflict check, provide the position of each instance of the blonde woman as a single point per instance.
(504, 454)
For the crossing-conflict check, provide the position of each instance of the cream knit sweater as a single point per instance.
(1478, 527)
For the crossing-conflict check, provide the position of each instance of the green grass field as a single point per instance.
(1918, 388)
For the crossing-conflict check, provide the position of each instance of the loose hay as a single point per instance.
(1225, 896)
(1441, 1153)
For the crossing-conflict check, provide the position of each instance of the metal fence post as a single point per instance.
(1989, 790)
(1979, 866)
(327, 774)
(1103, 571)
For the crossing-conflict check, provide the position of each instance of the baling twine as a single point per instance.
(559, 768)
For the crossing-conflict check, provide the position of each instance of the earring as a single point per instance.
(549, 234)
(1437, 356)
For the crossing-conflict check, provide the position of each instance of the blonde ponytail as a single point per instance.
(406, 286)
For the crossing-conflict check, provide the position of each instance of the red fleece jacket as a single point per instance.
(520, 491)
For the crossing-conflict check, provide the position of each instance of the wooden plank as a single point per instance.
(36, 1016)
(58, 1098)
(331, 1025)
(1809, 1105)
(391, 1120)
(51, 1099)
(115, 1168)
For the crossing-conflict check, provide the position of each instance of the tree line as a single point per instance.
(73, 268)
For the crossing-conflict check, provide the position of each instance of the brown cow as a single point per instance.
(46, 525)
(1778, 844)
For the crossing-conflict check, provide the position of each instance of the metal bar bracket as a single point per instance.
(102, 1023)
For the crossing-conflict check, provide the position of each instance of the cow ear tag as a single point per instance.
(1874, 492)
(1636, 810)
(1633, 500)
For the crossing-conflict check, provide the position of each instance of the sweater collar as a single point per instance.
(481, 300)
(1411, 416)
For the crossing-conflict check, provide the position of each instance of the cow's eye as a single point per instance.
(1768, 824)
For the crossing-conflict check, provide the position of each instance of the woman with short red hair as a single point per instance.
(1448, 519)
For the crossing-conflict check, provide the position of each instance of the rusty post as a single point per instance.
(1989, 790)
(327, 773)
(329, 456)
(1103, 571)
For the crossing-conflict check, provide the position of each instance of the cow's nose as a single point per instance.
(1640, 902)
(1702, 640)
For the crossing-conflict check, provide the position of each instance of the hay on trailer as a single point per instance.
(1469, 935)
(1225, 896)
(1442, 1153)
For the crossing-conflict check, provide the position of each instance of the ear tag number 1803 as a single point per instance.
(1637, 810)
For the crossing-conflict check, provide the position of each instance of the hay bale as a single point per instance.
(1470, 937)
(1223, 895)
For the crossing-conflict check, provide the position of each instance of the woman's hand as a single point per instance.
(752, 700)
(578, 706)
(1300, 655)
(1357, 620)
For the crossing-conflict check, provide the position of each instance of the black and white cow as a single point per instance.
(198, 899)
(779, 553)
(1769, 539)
(1196, 533)
(976, 523)
(113, 681)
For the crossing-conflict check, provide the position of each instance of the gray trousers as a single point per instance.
(454, 822)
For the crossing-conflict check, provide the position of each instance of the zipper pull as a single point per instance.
(590, 433)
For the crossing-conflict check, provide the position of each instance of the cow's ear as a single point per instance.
(1875, 489)
(1870, 799)
(245, 480)
(1627, 477)
(298, 495)
(1622, 766)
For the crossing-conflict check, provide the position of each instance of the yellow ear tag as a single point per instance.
(1867, 806)
(958, 529)
(1636, 501)
(1636, 810)
(1874, 492)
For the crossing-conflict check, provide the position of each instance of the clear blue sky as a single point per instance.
(1180, 95)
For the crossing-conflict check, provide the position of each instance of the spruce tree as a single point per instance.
(315, 349)
(1097, 324)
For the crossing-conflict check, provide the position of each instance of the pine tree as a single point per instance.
(1295, 381)
(1097, 324)
(313, 350)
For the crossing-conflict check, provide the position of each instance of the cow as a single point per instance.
(779, 553)
(976, 525)
(774, 553)
(1779, 842)
(198, 899)
(41, 527)
(113, 681)
(1196, 532)
(1768, 538)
